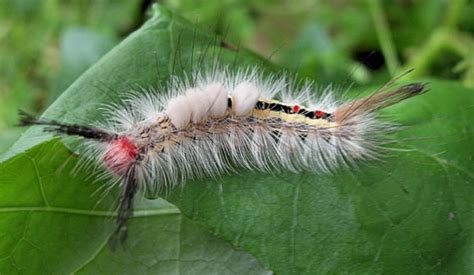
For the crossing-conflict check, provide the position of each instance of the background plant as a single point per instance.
(418, 215)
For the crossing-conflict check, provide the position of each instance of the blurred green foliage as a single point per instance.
(45, 45)
(328, 40)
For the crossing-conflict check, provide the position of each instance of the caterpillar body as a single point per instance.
(216, 122)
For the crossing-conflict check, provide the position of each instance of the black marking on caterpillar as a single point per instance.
(227, 121)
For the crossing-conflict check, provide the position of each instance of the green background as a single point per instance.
(409, 212)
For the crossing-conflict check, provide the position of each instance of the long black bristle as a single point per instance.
(125, 205)
(54, 126)
(26, 119)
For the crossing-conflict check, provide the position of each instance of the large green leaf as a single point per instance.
(410, 211)
(51, 223)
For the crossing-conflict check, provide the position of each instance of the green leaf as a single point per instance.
(54, 223)
(410, 211)
(50, 218)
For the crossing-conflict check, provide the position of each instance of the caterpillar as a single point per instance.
(219, 121)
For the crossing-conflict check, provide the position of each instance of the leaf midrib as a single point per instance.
(85, 212)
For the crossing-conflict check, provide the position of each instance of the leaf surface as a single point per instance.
(410, 211)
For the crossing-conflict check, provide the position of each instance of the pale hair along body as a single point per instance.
(217, 121)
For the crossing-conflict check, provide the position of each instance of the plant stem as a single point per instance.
(384, 36)
(453, 13)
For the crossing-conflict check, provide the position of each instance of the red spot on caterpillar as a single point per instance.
(119, 155)
(295, 109)
(319, 114)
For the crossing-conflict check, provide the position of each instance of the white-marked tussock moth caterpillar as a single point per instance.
(218, 120)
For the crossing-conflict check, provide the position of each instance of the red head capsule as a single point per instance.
(119, 155)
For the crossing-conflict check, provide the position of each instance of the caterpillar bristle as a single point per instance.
(225, 120)
(125, 205)
(378, 100)
(54, 126)
(26, 119)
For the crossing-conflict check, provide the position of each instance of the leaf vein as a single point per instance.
(63, 210)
